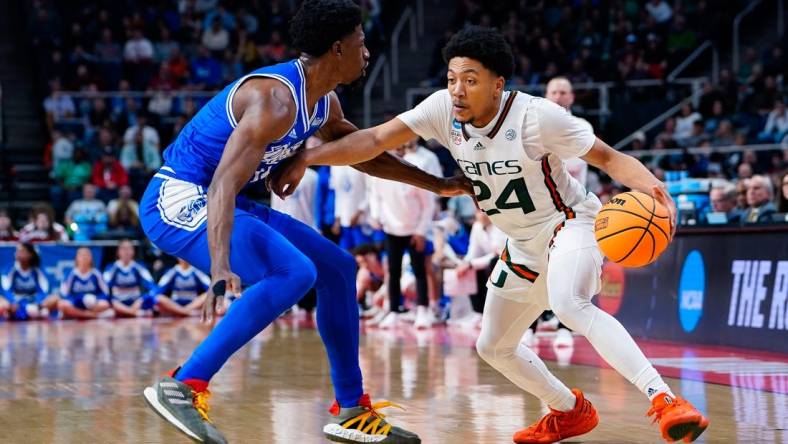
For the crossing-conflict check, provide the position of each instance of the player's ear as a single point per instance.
(500, 83)
(336, 48)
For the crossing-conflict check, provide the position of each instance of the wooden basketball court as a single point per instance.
(81, 382)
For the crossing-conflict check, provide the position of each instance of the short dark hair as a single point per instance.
(320, 23)
(486, 45)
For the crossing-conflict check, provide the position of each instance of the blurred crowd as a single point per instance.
(587, 40)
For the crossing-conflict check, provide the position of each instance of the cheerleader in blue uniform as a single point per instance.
(130, 284)
(83, 293)
(25, 287)
(182, 290)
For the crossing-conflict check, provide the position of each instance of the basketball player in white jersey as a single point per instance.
(512, 147)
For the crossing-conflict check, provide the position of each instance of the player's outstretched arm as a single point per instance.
(629, 172)
(365, 150)
(265, 110)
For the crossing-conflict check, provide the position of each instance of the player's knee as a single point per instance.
(486, 350)
(302, 271)
(571, 310)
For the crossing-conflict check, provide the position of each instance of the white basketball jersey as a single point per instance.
(520, 194)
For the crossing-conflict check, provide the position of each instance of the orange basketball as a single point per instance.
(633, 229)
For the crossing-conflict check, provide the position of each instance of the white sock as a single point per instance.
(650, 383)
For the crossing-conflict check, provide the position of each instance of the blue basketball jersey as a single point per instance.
(183, 284)
(77, 285)
(195, 153)
(24, 284)
(128, 281)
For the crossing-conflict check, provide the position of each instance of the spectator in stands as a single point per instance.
(782, 205)
(83, 293)
(485, 247)
(141, 124)
(25, 287)
(301, 204)
(275, 50)
(759, 200)
(724, 136)
(350, 206)
(744, 171)
(69, 176)
(177, 65)
(109, 174)
(684, 123)
(369, 280)
(215, 37)
(765, 94)
(62, 147)
(42, 227)
(57, 105)
(231, 66)
(776, 124)
(681, 39)
(124, 214)
(140, 158)
(7, 232)
(138, 48)
(246, 21)
(718, 114)
(108, 52)
(206, 70)
(138, 55)
(87, 216)
(405, 214)
(723, 200)
(164, 47)
(462, 208)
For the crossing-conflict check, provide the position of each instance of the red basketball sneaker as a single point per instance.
(678, 419)
(556, 425)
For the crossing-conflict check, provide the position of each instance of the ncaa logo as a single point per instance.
(692, 285)
(510, 134)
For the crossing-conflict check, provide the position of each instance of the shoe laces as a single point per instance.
(550, 423)
(200, 401)
(659, 411)
(376, 426)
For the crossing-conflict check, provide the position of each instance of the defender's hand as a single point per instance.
(456, 185)
(223, 283)
(284, 180)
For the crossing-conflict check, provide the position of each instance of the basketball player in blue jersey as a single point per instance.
(129, 283)
(83, 293)
(25, 287)
(192, 210)
(182, 289)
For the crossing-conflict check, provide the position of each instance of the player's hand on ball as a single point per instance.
(665, 200)
(224, 283)
(284, 180)
(456, 185)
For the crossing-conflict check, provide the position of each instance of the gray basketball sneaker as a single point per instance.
(364, 424)
(185, 408)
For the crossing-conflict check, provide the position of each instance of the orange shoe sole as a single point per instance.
(687, 428)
